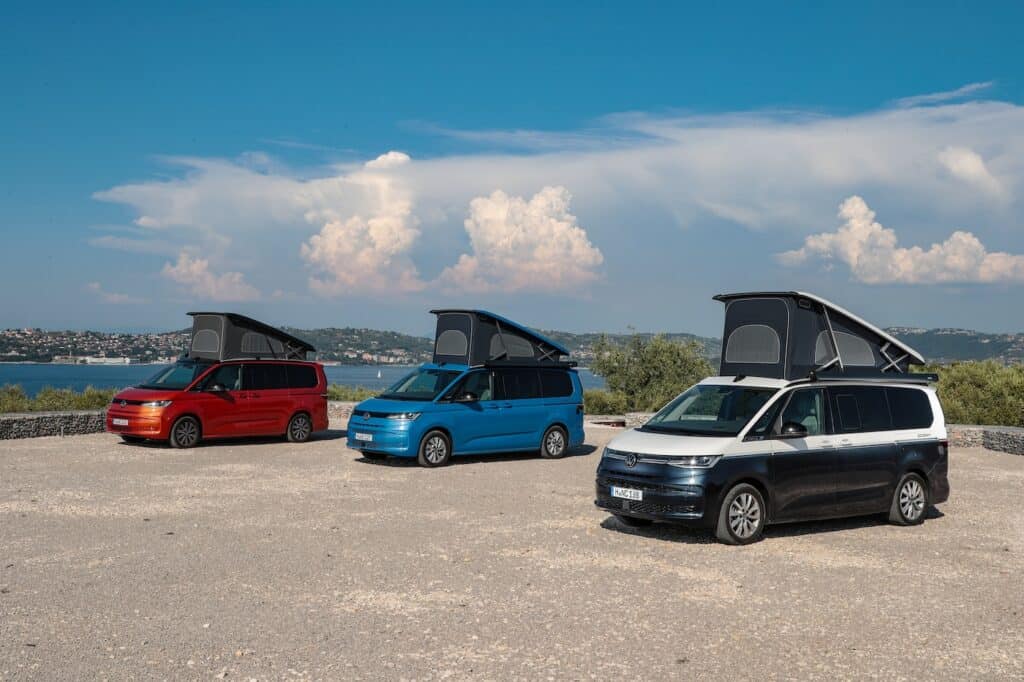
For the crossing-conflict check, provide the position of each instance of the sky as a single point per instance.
(583, 166)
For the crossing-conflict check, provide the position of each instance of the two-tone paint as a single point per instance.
(826, 476)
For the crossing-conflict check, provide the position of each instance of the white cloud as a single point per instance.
(113, 297)
(967, 165)
(521, 245)
(194, 274)
(871, 252)
(945, 96)
(367, 251)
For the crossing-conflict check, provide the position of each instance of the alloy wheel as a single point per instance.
(744, 515)
(912, 500)
(435, 450)
(186, 433)
(554, 443)
(300, 428)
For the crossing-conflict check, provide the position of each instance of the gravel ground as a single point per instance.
(266, 560)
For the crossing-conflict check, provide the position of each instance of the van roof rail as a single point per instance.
(917, 378)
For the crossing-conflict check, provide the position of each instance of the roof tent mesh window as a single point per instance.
(510, 345)
(854, 350)
(753, 344)
(452, 342)
(261, 344)
(205, 341)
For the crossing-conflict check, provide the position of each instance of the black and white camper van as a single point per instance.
(815, 415)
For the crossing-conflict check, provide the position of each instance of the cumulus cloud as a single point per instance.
(524, 245)
(195, 275)
(366, 252)
(967, 165)
(872, 253)
(112, 297)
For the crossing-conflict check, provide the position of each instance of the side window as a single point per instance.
(910, 408)
(555, 383)
(264, 377)
(521, 384)
(807, 408)
(763, 425)
(227, 376)
(862, 408)
(301, 376)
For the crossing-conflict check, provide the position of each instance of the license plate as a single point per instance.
(120, 422)
(368, 437)
(627, 493)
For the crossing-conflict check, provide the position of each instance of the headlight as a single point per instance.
(608, 452)
(405, 416)
(157, 403)
(695, 461)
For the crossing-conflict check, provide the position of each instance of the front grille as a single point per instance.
(362, 414)
(647, 507)
(118, 401)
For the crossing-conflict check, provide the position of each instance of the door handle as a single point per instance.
(254, 395)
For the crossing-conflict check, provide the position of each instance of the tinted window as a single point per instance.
(862, 408)
(302, 376)
(264, 377)
(807, 408)
(555, 384)
(910, 408)
(477, 383)
(521, 384)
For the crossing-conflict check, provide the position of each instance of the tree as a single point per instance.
(648, 373)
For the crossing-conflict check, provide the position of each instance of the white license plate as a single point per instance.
(627, 493)
(368, 437)
(120, 422)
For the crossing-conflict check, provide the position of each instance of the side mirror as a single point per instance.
(793, 430)
(467, 397)
(217, 388)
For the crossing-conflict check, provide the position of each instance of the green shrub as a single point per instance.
(647, 373)
(596, 401)
(349, 394)
(14, 399)
(984, 392)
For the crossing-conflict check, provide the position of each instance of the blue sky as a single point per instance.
(585, 167)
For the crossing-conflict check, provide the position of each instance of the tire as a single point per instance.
(185, 433)
(300, 428)
(135, 440)
(555, 443)
(632, 521)
(909, 501)
(377, 456)
(742, 516)
(435, 450)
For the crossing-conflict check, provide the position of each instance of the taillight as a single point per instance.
(943, 447)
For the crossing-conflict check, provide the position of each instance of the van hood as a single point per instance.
(145, 394)
(669, 445)
(392, 406)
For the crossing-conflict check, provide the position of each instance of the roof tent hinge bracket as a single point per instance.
(895, 364)
(501, 339)
(550, 354)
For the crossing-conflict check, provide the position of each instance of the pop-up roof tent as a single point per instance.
(228, 336)
(477, 337)
(788, 335)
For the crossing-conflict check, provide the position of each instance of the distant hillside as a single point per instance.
(949, 345)
(370, 346)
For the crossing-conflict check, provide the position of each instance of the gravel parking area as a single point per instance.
(266, 560)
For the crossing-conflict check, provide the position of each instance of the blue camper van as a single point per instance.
(493, 386)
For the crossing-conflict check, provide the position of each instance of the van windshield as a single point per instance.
(177, 376)
(710, 410)
(423, 384)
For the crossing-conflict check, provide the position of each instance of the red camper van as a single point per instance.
(239, 378)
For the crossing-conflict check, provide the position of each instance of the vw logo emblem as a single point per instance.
(124, 403)
(366, 416)
(631, 460)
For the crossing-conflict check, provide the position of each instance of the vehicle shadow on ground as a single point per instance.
(329, 434)
(459, 460)
(675, 533)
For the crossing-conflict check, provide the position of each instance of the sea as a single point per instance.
(33, 377)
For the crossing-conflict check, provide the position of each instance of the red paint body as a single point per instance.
(235, 412)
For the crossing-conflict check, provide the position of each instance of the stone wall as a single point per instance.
(1001, 438)
(35, 424)
(338, 411)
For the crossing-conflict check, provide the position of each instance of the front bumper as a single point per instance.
(680, 498)
(398, 442)
(151, 423)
